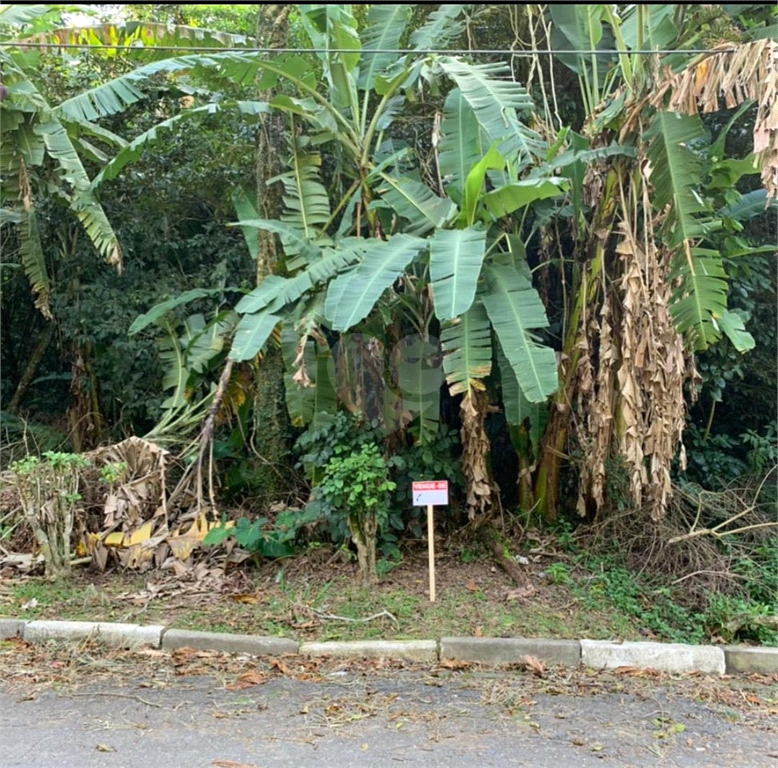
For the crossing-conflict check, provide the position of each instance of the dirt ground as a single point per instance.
(315, 596)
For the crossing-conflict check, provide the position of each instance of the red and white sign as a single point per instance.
(430, 493)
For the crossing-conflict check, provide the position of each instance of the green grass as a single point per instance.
(582, 597)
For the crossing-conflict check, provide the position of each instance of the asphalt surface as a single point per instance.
(349, 718)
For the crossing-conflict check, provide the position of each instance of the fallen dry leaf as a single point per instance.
(280, 666)
(472, 586)
(534, 665)
(454, 664)
(248, 599)
(635, 671)
(105, 748)
(306, 625)
(246, 680)
(231, 764)
(153, 652)
(522, 593)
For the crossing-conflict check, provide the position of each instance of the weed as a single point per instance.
(471, 554)
(559, 573)
(259, 538)
(113, 473)
(566, 536)
(387, 564)
(734, 618)
(644, 603)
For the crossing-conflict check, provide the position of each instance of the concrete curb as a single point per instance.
(11, 628)
(113, 635)
(664, 657)
(217, 641)
(410, 650)
(510, 650)
(743, 658)
(495, 651)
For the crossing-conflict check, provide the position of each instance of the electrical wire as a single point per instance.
(399, 51)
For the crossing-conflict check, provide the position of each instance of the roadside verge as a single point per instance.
(497, 651)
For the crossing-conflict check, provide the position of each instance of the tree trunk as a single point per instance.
(272, 30)
(363, 533)
(475, 449)
(491, 538)
(31, 368)
(84, 417)
(272, 427)
(552, 449)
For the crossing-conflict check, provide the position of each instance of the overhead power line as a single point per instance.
(399, 51)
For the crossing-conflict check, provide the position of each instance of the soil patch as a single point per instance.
(315, 596)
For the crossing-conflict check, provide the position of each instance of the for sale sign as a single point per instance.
(430, 493)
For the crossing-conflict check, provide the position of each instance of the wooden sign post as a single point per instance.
(430, 493)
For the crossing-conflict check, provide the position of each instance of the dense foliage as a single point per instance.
(545, 278)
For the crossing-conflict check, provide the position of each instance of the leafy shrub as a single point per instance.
(651, 606)
(715, 461)
(49, 491)
(346, 435)
(438, 460)
(734, 618)
(355, 489)
(262, 540)
(763, 453)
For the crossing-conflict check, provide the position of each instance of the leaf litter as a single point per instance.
(31, 669)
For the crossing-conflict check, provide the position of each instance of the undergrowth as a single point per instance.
(737, 602)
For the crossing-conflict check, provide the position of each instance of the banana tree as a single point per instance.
(648, 297)
(50, 144)
(38, 137)
(45, 144)
(436, 248)
(379, 232)
(393, 228)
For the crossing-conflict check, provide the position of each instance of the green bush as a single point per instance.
(355, 489)
(259, 538)
(49, 492)
(345, 435)
(734, 618)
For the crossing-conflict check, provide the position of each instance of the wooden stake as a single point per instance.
(431, 547)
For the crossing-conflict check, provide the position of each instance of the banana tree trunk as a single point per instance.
(552, 450)
(271, 419)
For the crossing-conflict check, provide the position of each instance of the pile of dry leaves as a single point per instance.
(145, 513)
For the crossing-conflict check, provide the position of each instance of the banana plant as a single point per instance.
(352, 256)
(475, 278)
(353, 250)
(45, 144)
(666, 262)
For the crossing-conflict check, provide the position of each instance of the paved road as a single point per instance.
(344, 716)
